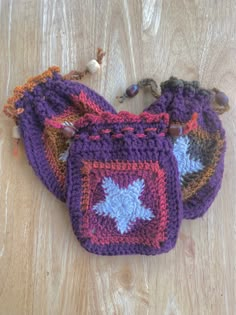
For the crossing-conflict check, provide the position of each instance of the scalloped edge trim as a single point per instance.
(9, 108)
(122, 116)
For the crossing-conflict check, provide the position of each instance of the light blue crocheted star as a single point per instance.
(185, 163)
(123, 204)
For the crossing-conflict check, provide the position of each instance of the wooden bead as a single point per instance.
(16, 132)
(221, 98)
(132, 90)
(175, 130)
(93, 66)
(68, 132)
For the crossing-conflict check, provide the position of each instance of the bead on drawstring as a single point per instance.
(92, 66)
(219, 101)
(133, 89)
(177, 130)
(68, 130)
(16, 136)
(16, 132)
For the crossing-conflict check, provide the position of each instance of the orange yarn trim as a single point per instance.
(203, 177)
(9, 108)
(55, 143)
(191, 124)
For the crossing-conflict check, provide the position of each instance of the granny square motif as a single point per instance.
(47, 97)
(116, 199)
(200, 153)
(123, 191)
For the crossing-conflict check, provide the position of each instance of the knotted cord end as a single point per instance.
(92, 66)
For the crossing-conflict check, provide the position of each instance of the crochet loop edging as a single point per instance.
(10, 107)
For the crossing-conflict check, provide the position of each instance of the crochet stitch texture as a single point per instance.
(123, 204)
(128, 180)
(205, 144)
(48, 100)
(123, 190)
(48, 96)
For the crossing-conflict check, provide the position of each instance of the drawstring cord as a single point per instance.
(133, 89)
(91, 67)
(219, 101)
(12, 112)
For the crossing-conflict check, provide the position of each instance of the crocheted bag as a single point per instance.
(200, 153)
(122, 181)
(47, 97)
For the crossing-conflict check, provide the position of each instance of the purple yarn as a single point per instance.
(48, 100)
(180, 99)
(128, 148)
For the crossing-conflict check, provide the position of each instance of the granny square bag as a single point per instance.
(199, 152)
(42, 99)
(123, 190)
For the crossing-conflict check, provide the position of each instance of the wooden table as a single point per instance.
(43, 269)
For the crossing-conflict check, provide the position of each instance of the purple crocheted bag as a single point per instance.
(200, 153)
(123, 191)
(125, 173)
(47, 97)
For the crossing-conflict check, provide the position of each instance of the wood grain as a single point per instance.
(43, 269)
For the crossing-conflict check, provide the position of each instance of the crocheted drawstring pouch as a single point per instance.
(47, 97)
(199, 152)
(123, 190)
